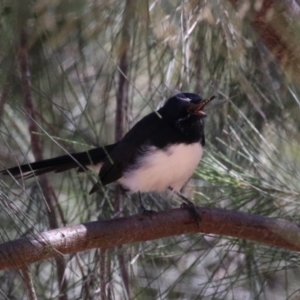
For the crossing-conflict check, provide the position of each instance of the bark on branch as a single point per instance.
(138, 228)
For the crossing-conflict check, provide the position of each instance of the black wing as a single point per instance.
(146, 131)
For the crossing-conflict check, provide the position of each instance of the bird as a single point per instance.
(159, 153)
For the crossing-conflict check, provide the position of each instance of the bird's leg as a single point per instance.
(142, 207)
(145, 212)
(186, 200)
(188, 204)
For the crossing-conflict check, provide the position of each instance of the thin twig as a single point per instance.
(37, 151)
(3, 98)
(103, 273)
(123, 84)
(121, 113)
(29, 283)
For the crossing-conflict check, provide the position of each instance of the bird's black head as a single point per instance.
(189, 97)
(185, 105)
(185, 111)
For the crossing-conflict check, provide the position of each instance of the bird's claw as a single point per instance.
(148, 212)
(193, 210)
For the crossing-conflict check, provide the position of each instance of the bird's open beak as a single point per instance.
(197, 109)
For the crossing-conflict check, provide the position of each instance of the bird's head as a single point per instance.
(186, 105)
(185, 111)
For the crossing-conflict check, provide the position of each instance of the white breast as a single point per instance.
(159, 169)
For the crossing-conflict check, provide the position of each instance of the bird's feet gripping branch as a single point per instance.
(189, 205)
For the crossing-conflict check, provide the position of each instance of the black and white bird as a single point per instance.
(159, 153)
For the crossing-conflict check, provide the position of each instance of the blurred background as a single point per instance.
(78, 74)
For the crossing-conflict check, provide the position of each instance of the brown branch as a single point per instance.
(138, 228)
(272, 22)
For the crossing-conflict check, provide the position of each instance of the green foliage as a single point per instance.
(251, 161)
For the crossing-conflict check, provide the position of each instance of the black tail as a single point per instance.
(61, 163)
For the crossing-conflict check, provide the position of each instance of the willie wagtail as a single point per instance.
(159, 153)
